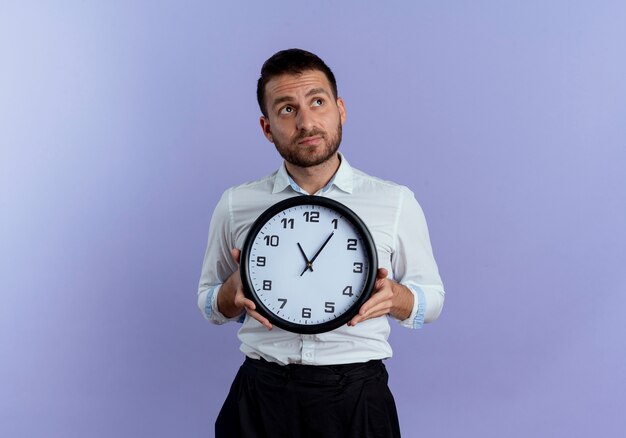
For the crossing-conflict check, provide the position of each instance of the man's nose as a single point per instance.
(305, 119)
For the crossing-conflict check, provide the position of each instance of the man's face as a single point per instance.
(304, 120)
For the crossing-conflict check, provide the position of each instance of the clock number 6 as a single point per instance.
(306, 312)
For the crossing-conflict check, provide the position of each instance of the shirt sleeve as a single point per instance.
(413, 262)
(218, 264)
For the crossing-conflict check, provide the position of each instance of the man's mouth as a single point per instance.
(310, 141)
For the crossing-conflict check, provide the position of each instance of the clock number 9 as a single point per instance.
(260, 261)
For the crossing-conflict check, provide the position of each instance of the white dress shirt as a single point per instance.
(399, 229)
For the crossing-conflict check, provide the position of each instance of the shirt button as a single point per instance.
(308, 355)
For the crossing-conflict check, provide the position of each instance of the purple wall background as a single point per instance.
(120, 126)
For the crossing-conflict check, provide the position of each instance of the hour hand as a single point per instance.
(309, 264)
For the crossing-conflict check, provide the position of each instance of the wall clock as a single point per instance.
(309, 263)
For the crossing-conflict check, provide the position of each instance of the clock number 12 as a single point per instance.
(311, 216)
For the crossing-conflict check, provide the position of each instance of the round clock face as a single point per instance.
(308, 263)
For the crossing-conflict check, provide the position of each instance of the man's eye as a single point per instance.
(318, 102)
(286, 110)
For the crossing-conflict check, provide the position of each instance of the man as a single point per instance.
(331, 384)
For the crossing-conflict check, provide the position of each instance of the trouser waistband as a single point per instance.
(329, 374)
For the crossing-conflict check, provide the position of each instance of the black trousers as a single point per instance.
(267, 400)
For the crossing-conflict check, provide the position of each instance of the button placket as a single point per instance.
(308, 349)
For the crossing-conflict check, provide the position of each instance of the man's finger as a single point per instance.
(235, 254)
(250, 307)
(378, 304)
(372, 313)
(244, 302)
(375, 307)
(381, 278)
(256, 315)
(378, 297)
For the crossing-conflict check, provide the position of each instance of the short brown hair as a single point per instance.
(291, 61)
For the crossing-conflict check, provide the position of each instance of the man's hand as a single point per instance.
(388, 297)
(231, 299)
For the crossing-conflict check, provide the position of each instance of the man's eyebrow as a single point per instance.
(311, 92)
(318, 90)
(281, 99)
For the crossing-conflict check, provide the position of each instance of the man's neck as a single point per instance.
(313, 179)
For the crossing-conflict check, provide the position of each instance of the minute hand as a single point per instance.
(318, 253)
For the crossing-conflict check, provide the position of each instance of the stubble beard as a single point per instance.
(298, 155)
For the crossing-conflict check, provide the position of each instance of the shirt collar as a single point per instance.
(343, 179)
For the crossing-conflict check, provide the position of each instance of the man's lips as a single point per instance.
(309, 141)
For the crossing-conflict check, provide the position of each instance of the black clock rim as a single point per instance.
(353, 218)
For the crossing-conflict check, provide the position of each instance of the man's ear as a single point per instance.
(265, 126)
(342, 110)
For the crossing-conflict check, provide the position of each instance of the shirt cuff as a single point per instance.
(416, 318)
(211, 311)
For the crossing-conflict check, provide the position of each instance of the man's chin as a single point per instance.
(308, 156)
(312, 159)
